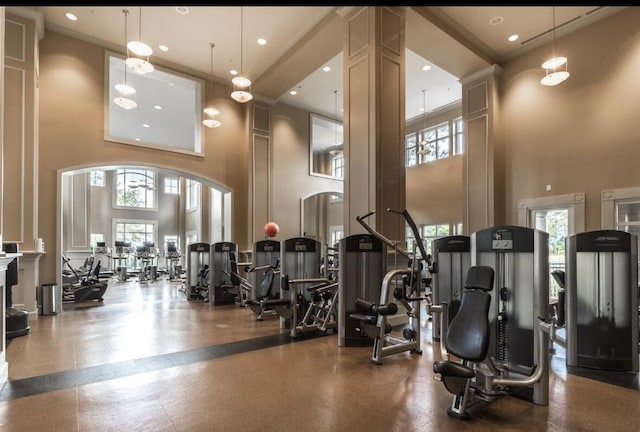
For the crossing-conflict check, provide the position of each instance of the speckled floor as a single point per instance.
(148, 359)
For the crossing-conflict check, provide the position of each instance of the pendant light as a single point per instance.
(125, 89)
(423, 149)
(556, 68)
(241, 85)
(211, 112)
(336, 150)
(140, 49)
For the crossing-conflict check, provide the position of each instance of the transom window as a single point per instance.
(171, 185)
(135, 188)
(96, 178)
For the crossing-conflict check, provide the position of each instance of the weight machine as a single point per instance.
(502, 341)
(399, 287)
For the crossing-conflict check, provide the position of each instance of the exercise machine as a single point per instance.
(197, 281)
(602, 301)
(400, 287)
(265, 277)
(146, 255)
(362, 270)
(101, 250)
(88, 288)
(122, 252)
(225, 280)
(506, 353)
(313, 298)
(172, 258)
(451, 262)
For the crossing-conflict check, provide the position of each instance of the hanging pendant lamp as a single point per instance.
(556, 68)
(241, 85)
(211, 112)
(125, 89)
(139, 64)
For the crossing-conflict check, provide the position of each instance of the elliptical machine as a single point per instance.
(88, 288)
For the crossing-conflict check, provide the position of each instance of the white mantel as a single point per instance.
(5, 260)
(24, 293)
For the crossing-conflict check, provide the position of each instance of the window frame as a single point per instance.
(132, 171)
(156, 85)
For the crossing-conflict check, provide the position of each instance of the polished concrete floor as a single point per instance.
(147, 359)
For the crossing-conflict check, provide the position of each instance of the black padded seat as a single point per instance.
(453, 369)
(468, 335)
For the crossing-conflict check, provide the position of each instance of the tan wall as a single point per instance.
(434, 190)
(72, 130)
(582, 135)
(291, 178)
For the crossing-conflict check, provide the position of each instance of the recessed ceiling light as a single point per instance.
(233, 72)
(496, 20)
(293, 92)
(137, 139)
(513, 38)
(145, 125)
(262, 41)
(163, 48)
(182, 10)
(71, 16)
(158, 107)
(326, 68)
(426, 67)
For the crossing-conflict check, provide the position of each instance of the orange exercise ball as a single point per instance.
(271, 229)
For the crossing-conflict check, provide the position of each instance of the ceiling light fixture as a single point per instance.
(241, 85)
(71, 16)
(125, 90)
(336, 151)
(513, 38)
(423, 149)
(556, 68)
(140, 49)
(211, 112)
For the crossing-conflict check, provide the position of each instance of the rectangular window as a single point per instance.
(174, 126)
(135, 232)
(337, 232)
(135, 188)
(337, 166)
(432, 232)
(171, 185)
(193, 194)
(434, 143)
(95, 238)
(410, 149)
(325, 143)
(458, 136)
(410, 238)
(96, 178)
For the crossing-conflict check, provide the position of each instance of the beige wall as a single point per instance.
(582, 135)
(291, 178)
(72, 130)
(434, 190)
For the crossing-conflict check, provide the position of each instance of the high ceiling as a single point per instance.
(455, 41)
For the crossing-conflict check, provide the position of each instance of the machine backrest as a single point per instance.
(558, 275)
(264, 290)
(235, 279)
(468, 335)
